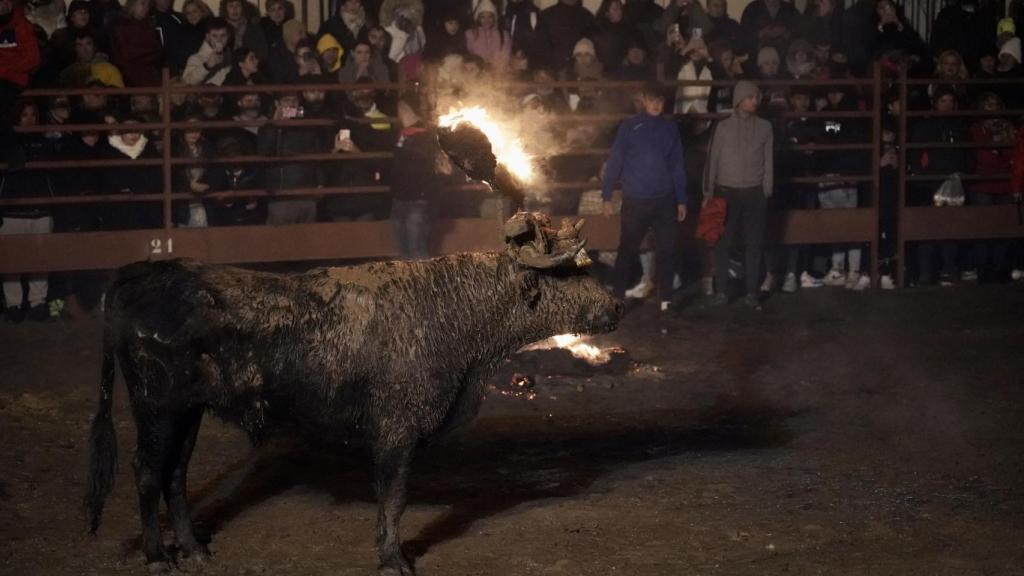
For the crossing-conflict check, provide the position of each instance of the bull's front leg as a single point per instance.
(392, 464)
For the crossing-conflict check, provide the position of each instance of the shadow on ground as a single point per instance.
(494, 466)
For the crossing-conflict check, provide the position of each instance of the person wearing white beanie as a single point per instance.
(1009, 54)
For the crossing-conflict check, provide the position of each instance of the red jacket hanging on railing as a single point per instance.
(992, 161)
(19, 51)
(1017, 180)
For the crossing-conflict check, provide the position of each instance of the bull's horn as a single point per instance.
(578, 225)
(529, 257)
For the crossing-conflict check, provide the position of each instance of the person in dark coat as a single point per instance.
(446, 38)
(135, 46)
(566, 22)
(642, 14)
(761, 13)
(940, 162)
(529, 32)
(18, 182)
(723, 27)
(414, 181)
(964, 26)
(174, 34)
(278, 12)
(364, 129)
(234, 211)
(129, 144)
(613, 35)
(276, 140)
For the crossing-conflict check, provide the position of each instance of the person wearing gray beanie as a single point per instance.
(739, 170)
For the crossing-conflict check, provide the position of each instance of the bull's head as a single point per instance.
(555, 278)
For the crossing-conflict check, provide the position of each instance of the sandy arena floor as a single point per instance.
(836, 433)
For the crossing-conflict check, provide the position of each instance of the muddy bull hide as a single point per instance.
(395, 352)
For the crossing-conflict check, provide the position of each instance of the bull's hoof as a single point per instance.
(396, 567)
(159, 567)
(194, 562)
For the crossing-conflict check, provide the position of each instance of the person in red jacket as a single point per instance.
(19, 53)
(135, 45)
(990, 255)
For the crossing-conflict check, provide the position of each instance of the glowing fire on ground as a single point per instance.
(506, 146)
(576, 346)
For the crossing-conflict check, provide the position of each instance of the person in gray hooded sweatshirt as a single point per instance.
(739, 170)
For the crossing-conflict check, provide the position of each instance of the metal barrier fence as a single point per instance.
(344, 240)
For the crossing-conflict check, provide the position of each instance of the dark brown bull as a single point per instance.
(395, 352)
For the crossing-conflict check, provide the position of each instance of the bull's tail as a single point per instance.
(102, 439)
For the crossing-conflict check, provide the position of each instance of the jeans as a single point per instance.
(637, 216)
(841, 198)
(37, 283)
(745, 210)
(997, 249)
(411, 222)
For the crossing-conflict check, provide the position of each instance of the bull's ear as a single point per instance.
(529, 287)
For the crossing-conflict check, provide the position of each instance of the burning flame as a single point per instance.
(505, 145)
(576, 346)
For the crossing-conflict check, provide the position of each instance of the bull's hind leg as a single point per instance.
(392, 472)
(155, 458)
(176, 487)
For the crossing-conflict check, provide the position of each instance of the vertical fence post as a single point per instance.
(166, 120)
(901, 248)
(876, 152)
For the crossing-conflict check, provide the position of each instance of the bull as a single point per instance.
(392, 352)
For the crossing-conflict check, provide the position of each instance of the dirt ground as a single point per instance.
(835, 433)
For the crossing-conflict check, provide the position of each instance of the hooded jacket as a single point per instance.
(19, 51)
(197, 73)
(741, 150)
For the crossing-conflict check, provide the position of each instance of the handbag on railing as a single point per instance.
(950, 192)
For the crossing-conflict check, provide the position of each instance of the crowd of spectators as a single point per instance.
(453, 46)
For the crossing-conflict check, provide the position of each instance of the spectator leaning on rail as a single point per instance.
(276, 140)
(17, 182)
(739, 169)
(647, 158)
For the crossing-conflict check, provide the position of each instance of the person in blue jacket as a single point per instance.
(647, 159)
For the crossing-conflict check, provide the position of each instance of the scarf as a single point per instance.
(132, 152)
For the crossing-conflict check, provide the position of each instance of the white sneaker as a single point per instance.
(789, 283)
(808, 281)
(1017, 275)
(641, 290)
(666, 305)
(834, 278)
(887, 282)
(857, 281)
(969, 276)
(769, 283)
(607, 257)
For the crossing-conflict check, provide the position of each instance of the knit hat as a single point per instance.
(106, 73)
(768, 54)
(584, 46)
(1005, 26)
(484, 6)
(1011, 47)
(743, 89)
(325, 43)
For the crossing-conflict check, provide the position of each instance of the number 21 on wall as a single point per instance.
(158, 246)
